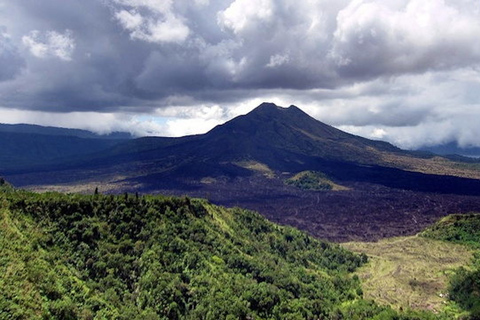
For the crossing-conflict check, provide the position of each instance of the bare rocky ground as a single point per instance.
(365, 212)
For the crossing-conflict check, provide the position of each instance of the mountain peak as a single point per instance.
(267, 107)
(272, 110)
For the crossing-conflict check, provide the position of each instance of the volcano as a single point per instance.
(251, 160)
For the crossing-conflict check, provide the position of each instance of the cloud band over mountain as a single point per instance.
(401, 70)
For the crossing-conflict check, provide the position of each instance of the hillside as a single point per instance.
(411, 272)
(154, 257)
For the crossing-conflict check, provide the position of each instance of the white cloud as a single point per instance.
(245, 14)
(378, 133)
(101, 123)
(151, 20)
(183, 127)
(170, 30)
(38, 49)
(50, 43)
(277, 60)
(130, 20)
(376, 38)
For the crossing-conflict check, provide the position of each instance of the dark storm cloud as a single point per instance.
(362, 62)
(122, 52)
(10, 61)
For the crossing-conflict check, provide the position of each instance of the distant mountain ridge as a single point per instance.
(26, 145)
(57, 131)
(453, 148)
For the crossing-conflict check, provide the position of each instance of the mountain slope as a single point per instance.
(292, 130)
(283, 140)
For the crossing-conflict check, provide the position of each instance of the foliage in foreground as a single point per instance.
(465, 283)
(154, 257)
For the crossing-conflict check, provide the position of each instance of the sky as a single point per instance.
(403, 71)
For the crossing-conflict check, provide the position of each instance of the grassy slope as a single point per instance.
(411, 271)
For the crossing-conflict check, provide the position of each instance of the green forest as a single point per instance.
(72, 256)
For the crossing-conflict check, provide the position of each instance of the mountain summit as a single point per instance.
(283, 137)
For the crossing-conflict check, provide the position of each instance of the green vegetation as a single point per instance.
(458, 228)
(153, 257)
(70, 256)
(5, 186)
(313, 180)
(464, 285)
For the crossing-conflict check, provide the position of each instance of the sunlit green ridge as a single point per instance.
(154, 257)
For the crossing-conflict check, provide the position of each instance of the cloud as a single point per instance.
(10, 61)
(277, 60)
(429, 133)
(242, 15)
(51, 43)
(376, 38)
(389, 69)
(151, 21)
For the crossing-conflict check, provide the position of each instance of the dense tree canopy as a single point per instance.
(69, 256)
